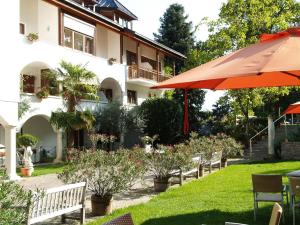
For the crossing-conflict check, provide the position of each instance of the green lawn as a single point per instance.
(219, 197)
(47, 169)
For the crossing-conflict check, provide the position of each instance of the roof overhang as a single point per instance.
(78, 10)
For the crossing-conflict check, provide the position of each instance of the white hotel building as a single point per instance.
(92, 32)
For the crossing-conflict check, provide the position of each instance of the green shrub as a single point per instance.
(26, 140)
(106, 173)
(13, 203)
(162, 117)
(230, 147)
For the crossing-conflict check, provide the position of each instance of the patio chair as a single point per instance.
(295, 191)
(122, 220)
(268, 188)
(275, 216)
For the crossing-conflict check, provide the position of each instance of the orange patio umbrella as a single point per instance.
(273, 62)
(293, 109)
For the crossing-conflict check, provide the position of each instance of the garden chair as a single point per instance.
(275, 216)
(268, 188)
(122, 220)
(295, 191)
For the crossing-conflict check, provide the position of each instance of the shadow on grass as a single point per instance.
(217, 217)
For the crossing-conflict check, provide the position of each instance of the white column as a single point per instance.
(271, 136)
(10, 157)
(59, 147)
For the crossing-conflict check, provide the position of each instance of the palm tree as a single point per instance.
(76, 85)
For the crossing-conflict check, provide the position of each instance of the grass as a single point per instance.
(219, 197)
(47, 169)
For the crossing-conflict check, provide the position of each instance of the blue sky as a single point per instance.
(149, 12)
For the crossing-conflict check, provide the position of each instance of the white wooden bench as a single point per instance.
(194, 172)
(216, 159)
(58, 202)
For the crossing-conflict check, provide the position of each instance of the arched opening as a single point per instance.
(35, 77)
(110, 91)
(39, 126)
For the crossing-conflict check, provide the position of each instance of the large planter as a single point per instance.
(26, 172)
(100, 206)
(161, 185)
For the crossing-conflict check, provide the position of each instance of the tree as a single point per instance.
(196, 97)
(75, 80)
(162, 117)
(240, 23)
(175, 32)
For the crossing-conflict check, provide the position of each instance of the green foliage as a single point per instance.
(27, 140)
(115, 119)
(23, 107)
(13, 203)
(229, 146)
(43, 93)
(165, 159)
(72, 120)
(175, 32)
(196, 99)
(240, 23)
(76, 81)
(162, 117)
(222, 196)
(106, 173)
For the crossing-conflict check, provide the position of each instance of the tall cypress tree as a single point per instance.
(176, 32)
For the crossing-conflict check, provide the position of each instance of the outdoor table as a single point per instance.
(294, 174)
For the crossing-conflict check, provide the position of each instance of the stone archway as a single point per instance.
(110, 91)
(50, 139)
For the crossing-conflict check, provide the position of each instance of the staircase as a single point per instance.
(260, 146)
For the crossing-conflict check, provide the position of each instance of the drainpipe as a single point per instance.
(271, 136)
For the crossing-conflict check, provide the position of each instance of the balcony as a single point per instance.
(144, 76)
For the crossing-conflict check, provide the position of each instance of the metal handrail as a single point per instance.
(266, 128)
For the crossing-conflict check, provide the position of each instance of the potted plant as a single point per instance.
(161, 163)
(27, 141)
(230, 148)
(112, 61)
(2, 150)
(43, 93)
(106, 174)
(32, 37)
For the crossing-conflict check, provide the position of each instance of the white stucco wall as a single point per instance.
(41, 128)
(29, 15)
(9, 81)
(101, 42)
(114, 48)
(142, 92)
(48, 22)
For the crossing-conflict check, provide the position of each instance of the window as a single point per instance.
(28, 83)
(68, 38)
(89, 45)
(22, 28)
(78, 41)
(131, 97)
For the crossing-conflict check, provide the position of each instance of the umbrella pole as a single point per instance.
(186, 126)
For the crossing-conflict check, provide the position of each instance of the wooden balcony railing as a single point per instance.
(144, 73)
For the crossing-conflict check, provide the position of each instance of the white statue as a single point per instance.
(27, 158)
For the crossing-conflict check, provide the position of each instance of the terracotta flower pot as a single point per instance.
(161, 185)
(100, 206)
(2, 154)
(26, 172)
